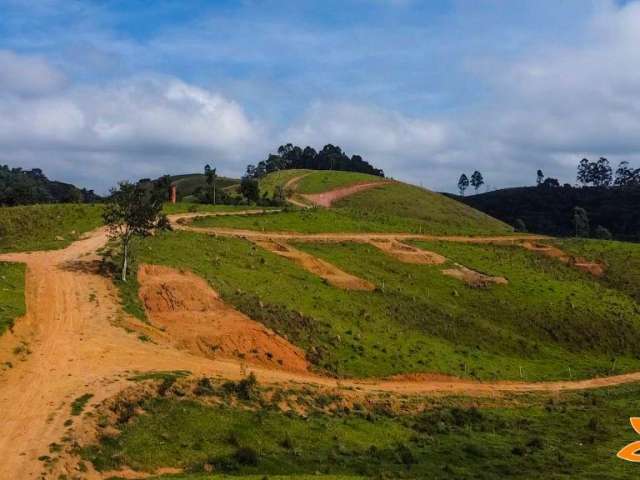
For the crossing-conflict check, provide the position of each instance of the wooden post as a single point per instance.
(172, 193)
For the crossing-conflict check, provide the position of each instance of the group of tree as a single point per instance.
(598, 173)
(27, 187)
(476, 182)
(331, 157)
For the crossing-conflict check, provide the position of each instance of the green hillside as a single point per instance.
(188, 185)
(46, 227)
(394, 207)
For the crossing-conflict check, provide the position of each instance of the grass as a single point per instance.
(79, 404)
(269, 183)
(393, 208)
(324, 180)
(544, 325)
(187, 207)
(622, 261)
(569, 436)
(45, 227)
(12, 301)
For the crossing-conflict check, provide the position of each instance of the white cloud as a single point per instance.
(28, 75)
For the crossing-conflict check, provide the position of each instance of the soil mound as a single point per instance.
(408, 253)
(473, 278)
(194, 318)
(594, 268)
(332, 274)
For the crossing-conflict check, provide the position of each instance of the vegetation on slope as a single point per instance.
(280, 178)
(322, 180)
(245, 432)
(622, 261)
(46, 227)
(550, 210)
(543, 325)
(189, 185)
(12, 301)
(395, 207)
(27, 187)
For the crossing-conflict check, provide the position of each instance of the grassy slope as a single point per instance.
(323, 180)
(622, 261)
(187, 184)
(45, 227)
(395, 207)
(544, 321)
(269, 183)
(12, 302)
(571, 436)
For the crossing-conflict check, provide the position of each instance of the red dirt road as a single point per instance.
(325, 199)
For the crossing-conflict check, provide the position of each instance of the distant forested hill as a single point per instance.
(26, 187)
(549, 210)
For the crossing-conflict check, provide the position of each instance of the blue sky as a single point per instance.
(95, 92)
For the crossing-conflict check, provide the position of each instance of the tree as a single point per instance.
(476, 180)
(602, 173)
(463, 183)
(602, 233)
(210, 174)
(625, 175)
(539, 177)
(580, 222)
(132, 210)
(550, 182)
(250, 189)
(584, 172)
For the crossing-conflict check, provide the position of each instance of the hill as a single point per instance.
(388, 207)
(26, 187)
(550, 210)
(189, 185)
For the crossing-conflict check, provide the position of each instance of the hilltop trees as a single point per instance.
(331, 157)
(598, 174)
(463, 183)
(211, 176)
(476, 180)
(626, 176)
(132, 210)
(539, 177)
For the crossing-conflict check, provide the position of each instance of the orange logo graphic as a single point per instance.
(631, 452)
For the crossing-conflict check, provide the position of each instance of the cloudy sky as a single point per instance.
(98, 91)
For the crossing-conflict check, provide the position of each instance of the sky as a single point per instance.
(94, 92)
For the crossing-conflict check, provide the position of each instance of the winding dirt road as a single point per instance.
(68, 345)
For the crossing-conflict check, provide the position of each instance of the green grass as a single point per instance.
(186, 185)
(187, 207)
(269, 182)
(622, 261)
(79, 404)
(392, 208)
(324, 180)
(544, 325)
(45, 227)
(12, 301)
(572, 436)
(422, 210)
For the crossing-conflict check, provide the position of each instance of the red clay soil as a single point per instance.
(194, 318)
(594, 268)
(332, 274)
(408, 253)
(473, 278)
(325, 199)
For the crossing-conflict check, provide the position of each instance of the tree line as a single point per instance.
(27, 187)
(331, 157)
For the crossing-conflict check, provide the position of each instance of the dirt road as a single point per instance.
(326, 199)
(67, 345)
